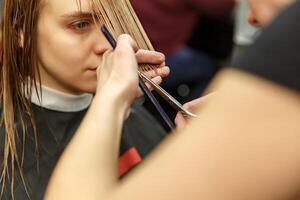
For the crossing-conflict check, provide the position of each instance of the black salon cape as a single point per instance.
(141, 133)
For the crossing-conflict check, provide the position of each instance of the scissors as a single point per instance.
(164, 94)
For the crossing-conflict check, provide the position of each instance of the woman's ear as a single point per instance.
(21, 39)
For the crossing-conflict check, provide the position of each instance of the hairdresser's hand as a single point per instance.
(156, 59)
(117, 77)
(153, 58)
(192, 106)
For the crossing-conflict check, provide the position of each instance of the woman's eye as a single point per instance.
(80, 25)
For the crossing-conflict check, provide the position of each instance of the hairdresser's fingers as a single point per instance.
(156, 80)
(161, 71)
(124, 77)
(124, 40)
(163, 64)
(104, 69)
(150, 57)
(124, 56)
(192, 106)
(197, 104)
(155, 59)
(180, 121)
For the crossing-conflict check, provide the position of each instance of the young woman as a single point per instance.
(51, 52)
(245, 144)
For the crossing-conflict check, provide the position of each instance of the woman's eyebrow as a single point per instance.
(80, 14)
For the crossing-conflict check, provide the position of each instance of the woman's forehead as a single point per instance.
(65, 7)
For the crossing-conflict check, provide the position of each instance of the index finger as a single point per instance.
(125, 41)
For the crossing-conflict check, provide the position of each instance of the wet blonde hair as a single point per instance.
(18, 66)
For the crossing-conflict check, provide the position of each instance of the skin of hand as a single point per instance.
(153, 58)
(192, 106)
(118, 78)
(156, 59)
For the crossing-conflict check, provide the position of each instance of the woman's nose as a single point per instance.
(252, 19)
(101, 44)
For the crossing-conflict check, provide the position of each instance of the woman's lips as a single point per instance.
(93, 71)
(93, 68)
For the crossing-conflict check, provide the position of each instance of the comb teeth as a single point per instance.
(119, 17)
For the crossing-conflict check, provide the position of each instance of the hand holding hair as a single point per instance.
(117, 76)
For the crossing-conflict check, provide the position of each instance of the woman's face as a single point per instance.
(262, 12)
(69, 46)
